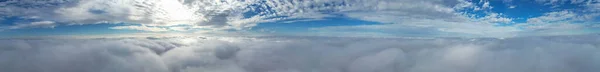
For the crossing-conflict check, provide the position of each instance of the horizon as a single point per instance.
(299, 35)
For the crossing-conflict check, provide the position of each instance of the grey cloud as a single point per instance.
(302, 54)
(77, 56)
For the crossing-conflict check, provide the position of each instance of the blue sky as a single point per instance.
(372, 18)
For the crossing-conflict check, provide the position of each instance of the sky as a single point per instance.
(299, 36)
(340, 18)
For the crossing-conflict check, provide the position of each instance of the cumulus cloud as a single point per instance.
(301, 54)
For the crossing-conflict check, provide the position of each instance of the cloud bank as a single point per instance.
(302, 54)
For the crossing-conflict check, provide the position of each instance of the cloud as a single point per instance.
(553, 17)
(86, 56)
(142, 28)
(214, 14)
(301, 54)
(449, 21)
(562, 1)
(561, 22)
(38, 24)
(432, 28)
(217, 14)
(486, 5)
(429, 18)
(441, 17)
(156, 13)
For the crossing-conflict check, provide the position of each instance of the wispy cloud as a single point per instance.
(142, 28)
(441, 16)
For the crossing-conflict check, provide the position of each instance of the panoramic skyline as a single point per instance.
(299, 35)
(343, 18)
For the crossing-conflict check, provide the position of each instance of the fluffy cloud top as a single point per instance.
(301, 54)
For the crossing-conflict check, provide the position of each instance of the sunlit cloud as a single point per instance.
(447, 18)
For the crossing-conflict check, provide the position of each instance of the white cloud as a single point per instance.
(142, 28)
(451, 23)
(301, 54)
(486, 5)
(429, 18)
(561, 21)
(37, 24)
(215, 14)
(435, 28)
(496, 18)
(438, 16)
(154, 13)
(559, 3)
(179, 28)
(553, 17)
(562, 1)
(512, 6)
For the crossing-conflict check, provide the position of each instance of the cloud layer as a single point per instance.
(301, 54)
